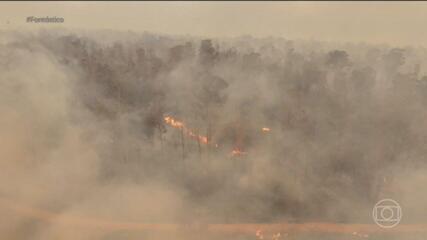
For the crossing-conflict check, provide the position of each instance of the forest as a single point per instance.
(158, 128)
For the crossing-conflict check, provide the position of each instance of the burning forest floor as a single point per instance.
(135, 230)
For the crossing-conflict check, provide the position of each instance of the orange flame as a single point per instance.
(180, 125)
(237, 152)
(259, 234)
(174, 123)
(265, 129)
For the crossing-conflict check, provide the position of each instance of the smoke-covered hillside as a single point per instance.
(177, 129)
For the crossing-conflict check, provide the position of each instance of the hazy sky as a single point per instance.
(378, 22)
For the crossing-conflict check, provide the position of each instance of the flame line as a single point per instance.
(187, 131)
(325, 227)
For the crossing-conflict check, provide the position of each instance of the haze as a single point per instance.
(199, 124)
(397, 23)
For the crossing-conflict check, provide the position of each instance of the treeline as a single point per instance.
(343, 117)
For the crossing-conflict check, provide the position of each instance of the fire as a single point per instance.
(202, 139)
(265, 129)
(259, 234)
(360, 235)
(276, 236)
(174, 123)
(180, 125)
(237, 152)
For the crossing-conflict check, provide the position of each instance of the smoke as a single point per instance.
(85, 152)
